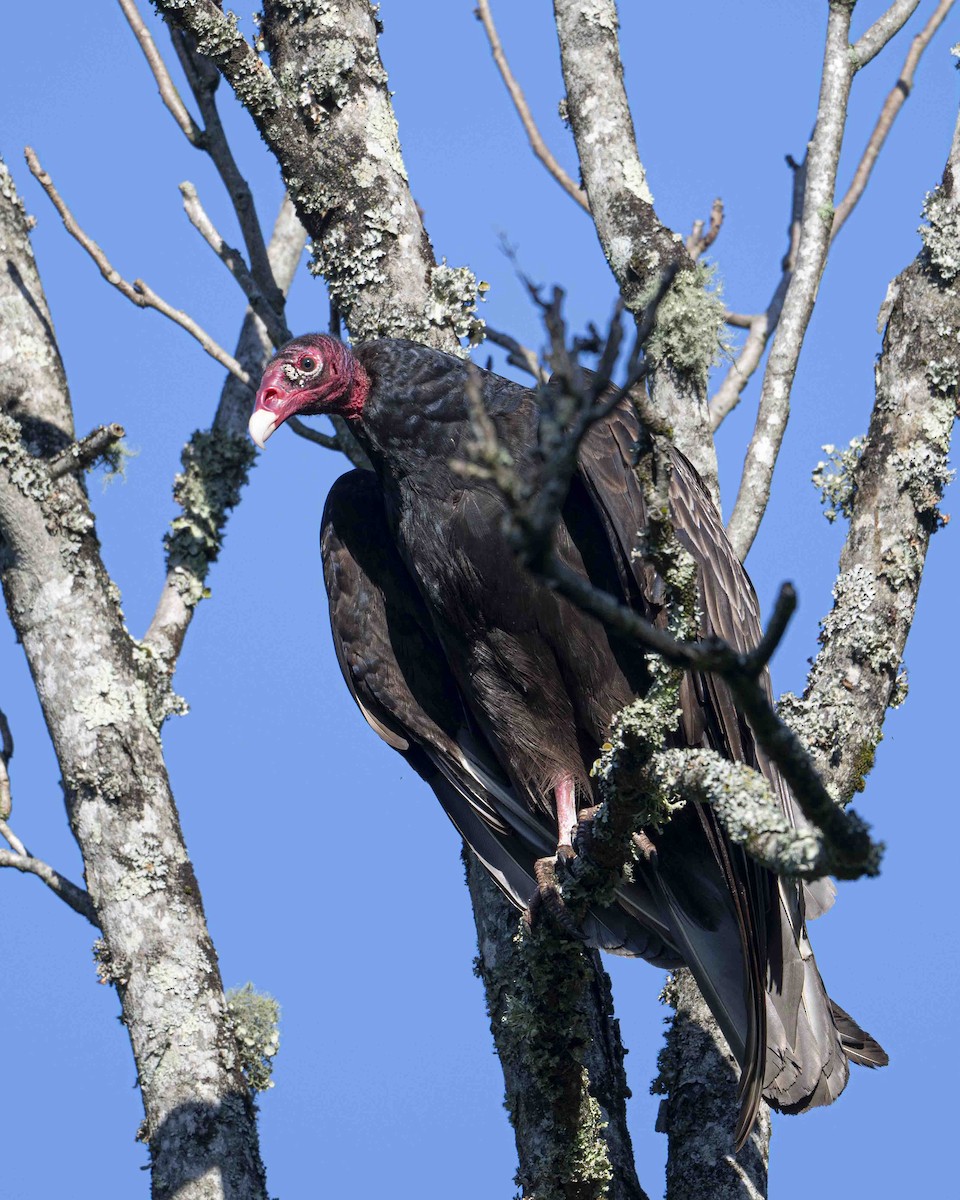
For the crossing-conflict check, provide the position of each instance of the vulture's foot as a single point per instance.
(583, 834)
(547, 900)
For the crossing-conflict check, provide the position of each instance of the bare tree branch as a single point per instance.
(637, 245)
(521, 357)
(897, 485)
(233, 261)
(801, 292)
(700, 239)
(763, 325)
(204, 79)
(138, 292)
(537, 144)
(168, 89)
(882, 30)
(79, 455)
(329, 441)
(888, 114)
(760, 325)
(68, 892)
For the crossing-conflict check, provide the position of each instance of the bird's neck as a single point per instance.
(356, 397)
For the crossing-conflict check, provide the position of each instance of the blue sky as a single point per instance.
(331, 878)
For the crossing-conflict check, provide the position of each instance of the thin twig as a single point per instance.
(6, 753)
(519, 356)
(79, 455)
(537, 144)
(699, 241)
(204, 78)
(168, 90)
(763, 325)
(18, 856)
(888, 114)
(327, 440)
(882, 30)
(233, 260)
(68, 892)
(801, 292)
(138, 292)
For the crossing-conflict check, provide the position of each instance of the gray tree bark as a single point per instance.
(104, 699)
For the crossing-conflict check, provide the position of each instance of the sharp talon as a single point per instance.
(547, 900)
(645, 847)
(583, 834)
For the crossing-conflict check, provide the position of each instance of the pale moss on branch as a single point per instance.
(454, 292)
(254, 1019)
(835, 478)
(691, 322)
(941, 234)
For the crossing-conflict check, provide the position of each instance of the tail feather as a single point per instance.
(857, 1044)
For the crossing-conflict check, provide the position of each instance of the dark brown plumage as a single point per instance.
(499, 692)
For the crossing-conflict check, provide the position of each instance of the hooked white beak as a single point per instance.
(261, 426)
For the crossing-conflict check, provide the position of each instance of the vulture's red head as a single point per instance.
(312, 374)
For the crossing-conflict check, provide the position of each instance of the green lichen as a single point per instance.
(215, 467)
(690, 324)
(535, 1000)
(254, 1019)
(622, 772)
(746, 808)
(836, 478)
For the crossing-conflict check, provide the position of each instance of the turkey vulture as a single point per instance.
(499, 692)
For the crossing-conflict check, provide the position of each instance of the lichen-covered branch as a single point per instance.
(537, 144)
(898, 482)
(638, 247)
(698, 1078)
(747, 809)
(215, 466)
(324, 99)
(82, 454)
(551, 1015)
(104, 702)
(801, 293)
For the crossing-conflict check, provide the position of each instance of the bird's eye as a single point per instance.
(307, 363)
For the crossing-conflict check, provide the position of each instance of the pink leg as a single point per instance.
(547, 896)
(566, 800)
